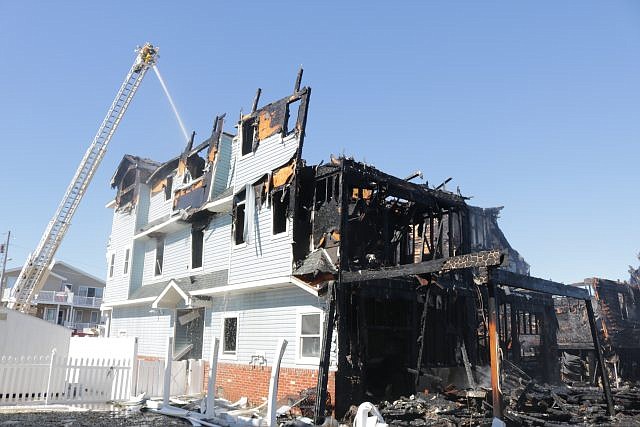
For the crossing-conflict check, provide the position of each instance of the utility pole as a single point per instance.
(5, 250)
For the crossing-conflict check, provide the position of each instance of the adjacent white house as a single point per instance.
(70, 297)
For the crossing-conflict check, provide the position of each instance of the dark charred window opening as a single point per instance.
(292, 117)
(197, 244)
(127, 188)
(623, 306)
(280, 205)
(168, 186)
(321, 192)
(230, 335)
(159, 255)
(238, 219)
(248, 135)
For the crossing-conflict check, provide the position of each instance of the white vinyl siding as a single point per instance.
(122, 229)
(151, 327)
(264, 317)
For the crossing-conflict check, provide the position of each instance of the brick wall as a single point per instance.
(235, 381)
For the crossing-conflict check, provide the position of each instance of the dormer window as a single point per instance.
(168, 188)
(126, 190)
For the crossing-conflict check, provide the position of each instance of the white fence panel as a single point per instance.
(30, 379)
(186, 377)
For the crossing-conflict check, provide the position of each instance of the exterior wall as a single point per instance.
(221, 179)
(272, 153)
(151, 328)
(263, 318)
(122, 230)
(217, 237)
(158, 206)
(234, 381)
(265, 255)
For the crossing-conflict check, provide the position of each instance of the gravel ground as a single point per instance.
(66, 418)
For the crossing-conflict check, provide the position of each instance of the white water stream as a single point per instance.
(173, 105)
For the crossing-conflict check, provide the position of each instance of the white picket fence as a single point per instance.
(187, 377)
(47, 379)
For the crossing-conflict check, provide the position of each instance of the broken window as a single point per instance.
(623, 306)
(127, 187)
(197, 241)
(229, 335)
(309, 335)
(238, 219)
(126, 261)
(159, 255)
(167, 188)
(292, 117)
(112, 262)
(280, 204)
(321, 192)
(248, 135)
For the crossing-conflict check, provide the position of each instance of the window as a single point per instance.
(238, 219)
(112, 262)
(94, 317)
(98, 292)
(168, 188)
(229, 335)
(248, 135)
(280, 203)
(50, 315)
(159, 255)
(197, 241)
(623, 306)
(309, 335)
(127, 252)
(292, 116)
(77, 317)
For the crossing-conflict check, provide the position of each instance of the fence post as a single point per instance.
(166, 391)
(53, 355)
(134, 370)
(273, 381)
(211, 384)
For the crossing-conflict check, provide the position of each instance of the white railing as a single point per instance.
(53, 297)
(81, 301)
(81, 325)
(47, 379)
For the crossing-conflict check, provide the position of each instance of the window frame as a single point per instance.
(111, 264)
(97, 317)
(55, 314)
(253, 122)
(126, 265)
(191, 267)
(234, 227)
(285, 203)
(307, 360)
(75, 316)
(227, 354)
(155, 256)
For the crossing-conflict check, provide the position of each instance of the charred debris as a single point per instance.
(422, 289)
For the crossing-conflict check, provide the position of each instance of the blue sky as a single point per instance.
(533, 106)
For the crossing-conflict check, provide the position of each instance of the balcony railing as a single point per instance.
(81, 325)
(67, 298)
(80, 301)
(53, 297)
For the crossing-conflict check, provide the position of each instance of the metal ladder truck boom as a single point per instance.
(36, 268)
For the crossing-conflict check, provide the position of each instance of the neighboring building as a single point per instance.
(70, 297)
(617, 309)
(238, 238)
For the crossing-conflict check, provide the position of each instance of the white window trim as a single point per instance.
(300, 360)
(235, 245)
(111, 264)
(287, 230)
(126, 261)
(155, 257)
(234, 355)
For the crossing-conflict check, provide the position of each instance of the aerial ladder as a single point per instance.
(36, 268)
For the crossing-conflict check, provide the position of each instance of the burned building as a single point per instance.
(617, 310)
(382, 286)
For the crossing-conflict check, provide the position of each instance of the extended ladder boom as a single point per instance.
(36, 268)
